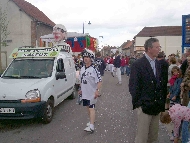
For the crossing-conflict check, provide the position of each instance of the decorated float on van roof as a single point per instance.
(77, 41)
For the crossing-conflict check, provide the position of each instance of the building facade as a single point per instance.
(128, 48)
(108, 50)
(170, 38)
(26, 24)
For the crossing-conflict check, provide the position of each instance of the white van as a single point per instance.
(36, 81)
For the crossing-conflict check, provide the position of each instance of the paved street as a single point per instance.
(115, 122)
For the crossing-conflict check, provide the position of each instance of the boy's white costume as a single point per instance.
(90, 77)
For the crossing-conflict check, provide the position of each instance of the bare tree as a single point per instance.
(3, 31)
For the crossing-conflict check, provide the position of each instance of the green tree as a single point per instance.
(3, 31)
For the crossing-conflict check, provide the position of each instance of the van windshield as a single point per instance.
(29, 68)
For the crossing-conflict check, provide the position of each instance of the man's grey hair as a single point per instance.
(149, 42)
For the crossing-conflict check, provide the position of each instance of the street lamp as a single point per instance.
(83, 26)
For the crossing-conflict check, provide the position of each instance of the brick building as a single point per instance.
(26, 24)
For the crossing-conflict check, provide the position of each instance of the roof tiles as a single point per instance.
(128, 44)
(33, 12)
(160, 31)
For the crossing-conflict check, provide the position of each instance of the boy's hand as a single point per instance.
(96, 94)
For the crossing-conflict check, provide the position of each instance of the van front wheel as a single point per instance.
(48, 113)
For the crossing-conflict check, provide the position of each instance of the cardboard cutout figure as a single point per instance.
(60, 35)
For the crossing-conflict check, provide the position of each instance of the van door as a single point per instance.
(69, 78)
(70, 72)
(60, 85)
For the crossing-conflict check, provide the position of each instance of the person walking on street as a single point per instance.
(127, 65)
(112, 66)
(146, 86)
(90, 86)
(117, 65)
(122, 65)
(101, 67)
(106, 60)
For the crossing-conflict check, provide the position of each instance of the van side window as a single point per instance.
(60, 65)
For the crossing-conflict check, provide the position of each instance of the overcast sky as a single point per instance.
(116, 20)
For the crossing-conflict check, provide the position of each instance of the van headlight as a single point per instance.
(32, 96)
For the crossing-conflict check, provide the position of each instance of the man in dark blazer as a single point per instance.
(146, 86)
